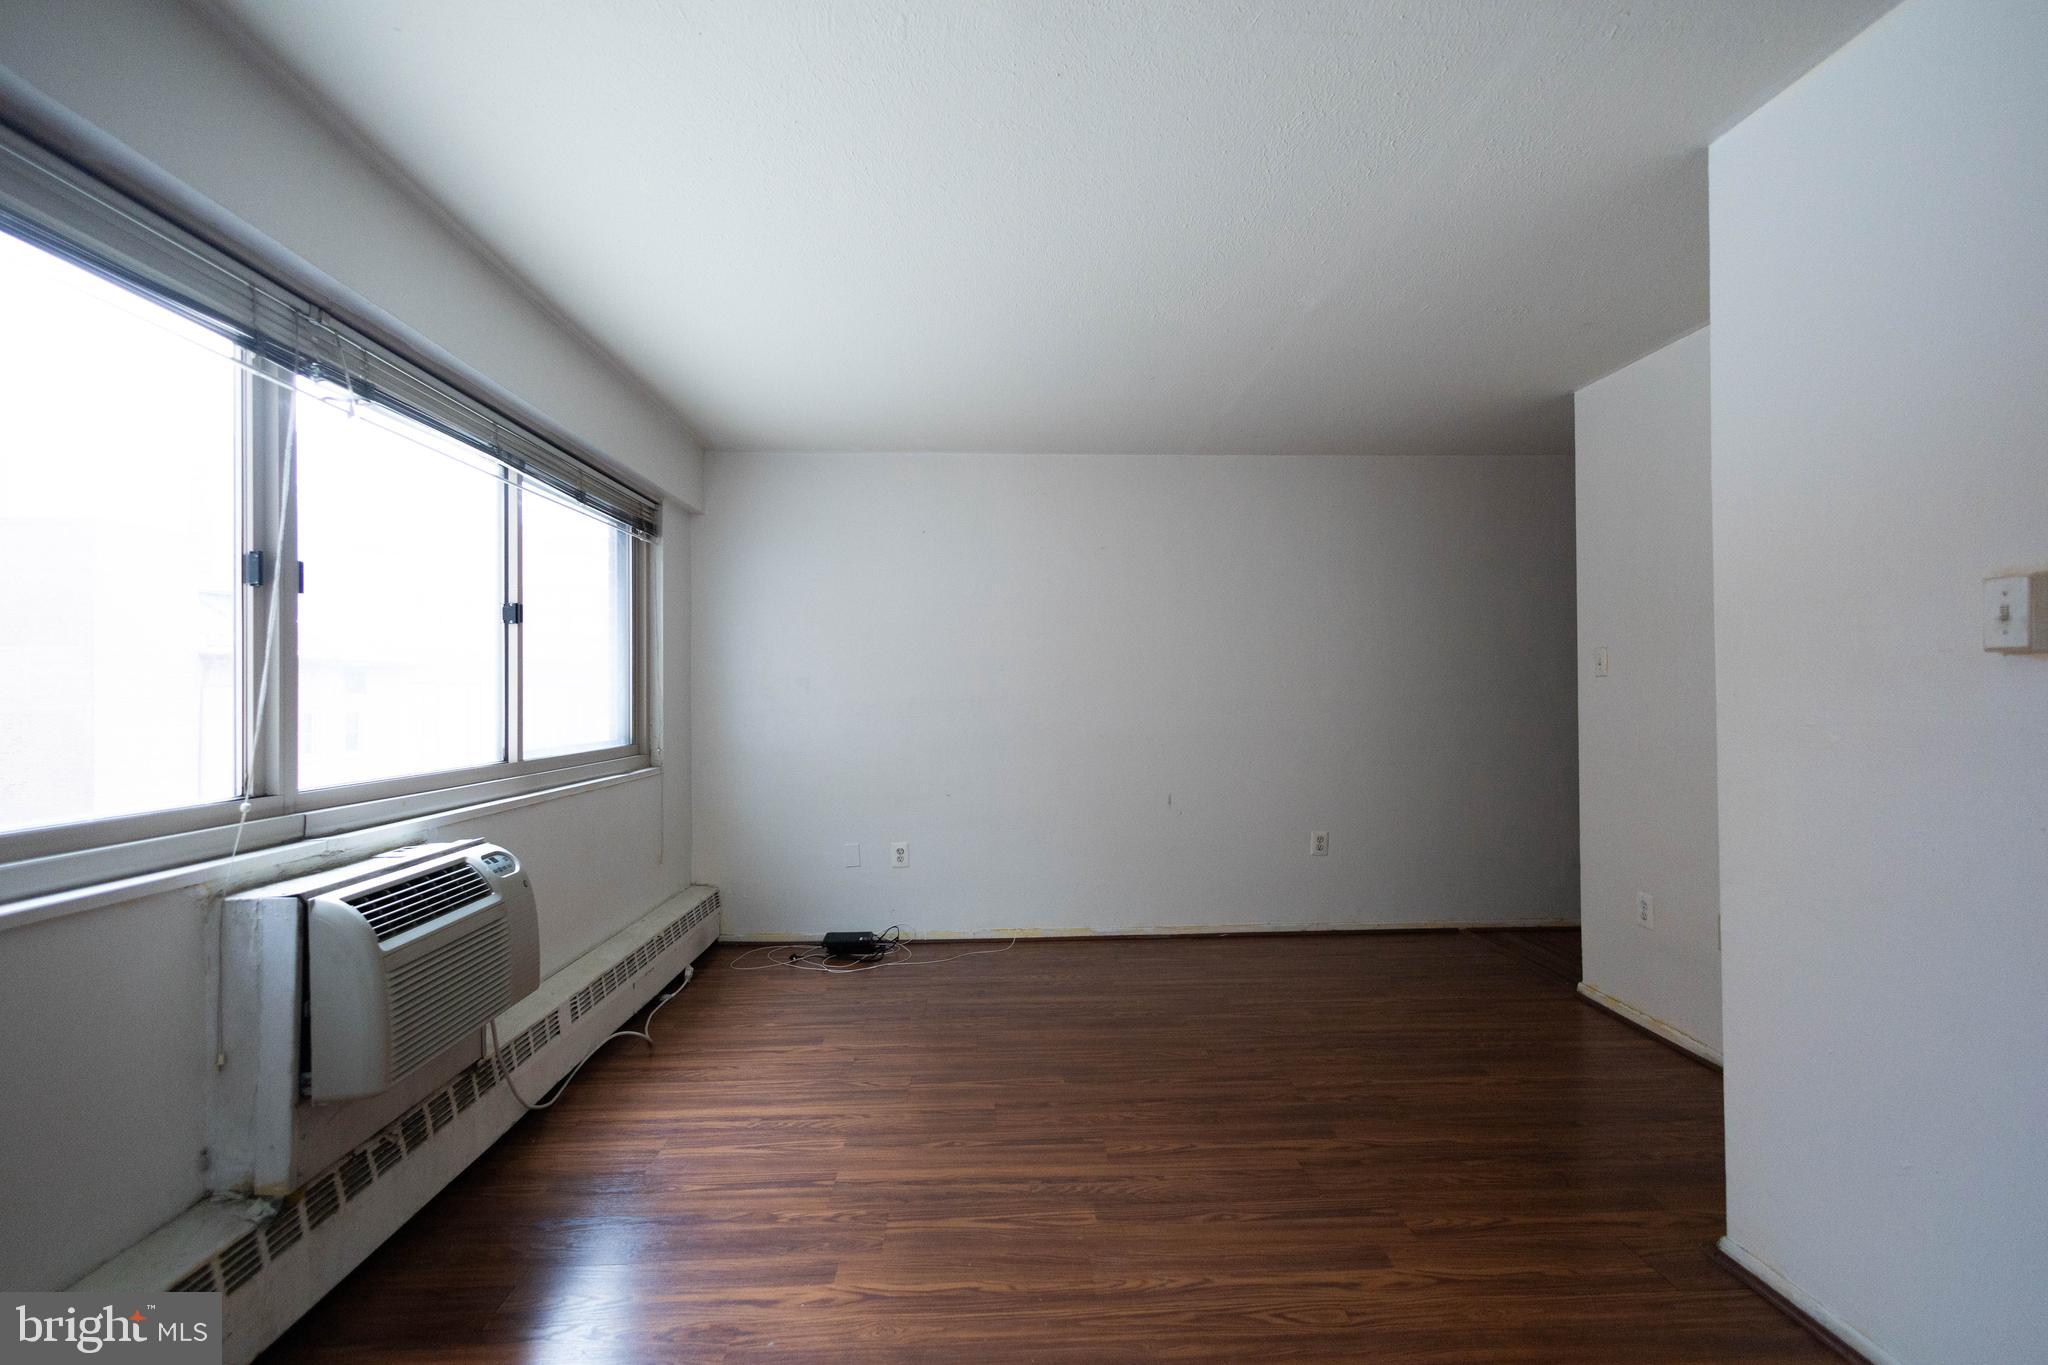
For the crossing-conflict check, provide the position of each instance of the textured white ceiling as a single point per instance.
(1076, 225)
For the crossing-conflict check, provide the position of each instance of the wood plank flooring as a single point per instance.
(1385, 1147)
(1555, 951)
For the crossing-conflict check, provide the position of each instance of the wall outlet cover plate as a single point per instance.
(2016, 614)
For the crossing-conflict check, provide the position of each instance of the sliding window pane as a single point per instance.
(577, 595)
(118, 550)
(401, 638)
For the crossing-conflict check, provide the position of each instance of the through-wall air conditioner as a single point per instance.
(347, 994)
(399, 964)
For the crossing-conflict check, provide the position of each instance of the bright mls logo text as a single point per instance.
(97, 1329)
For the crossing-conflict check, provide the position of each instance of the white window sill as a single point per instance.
(38, 889)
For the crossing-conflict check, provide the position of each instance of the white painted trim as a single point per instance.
(1172, 930)
(1805, 1303)
(254, 867)
(1677, 1037)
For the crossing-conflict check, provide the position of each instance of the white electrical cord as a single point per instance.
(910, 960)
(894, 953)
(561, 1087)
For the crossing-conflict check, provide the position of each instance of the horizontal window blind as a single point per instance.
(64, 209)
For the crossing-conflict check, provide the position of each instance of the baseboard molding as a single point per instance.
(1652, 1025)
(1768, 1281)
(1170, 931)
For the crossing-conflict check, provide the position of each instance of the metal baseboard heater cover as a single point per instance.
(272, 1259)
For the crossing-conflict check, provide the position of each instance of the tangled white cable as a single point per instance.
(894, 952)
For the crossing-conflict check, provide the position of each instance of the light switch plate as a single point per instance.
(2016, 614)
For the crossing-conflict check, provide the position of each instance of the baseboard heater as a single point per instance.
(272, 1259)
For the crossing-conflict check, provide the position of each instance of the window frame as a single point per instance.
(55, 857)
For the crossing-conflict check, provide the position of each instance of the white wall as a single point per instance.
(105, 1012)
(1119, 692)
(1646, 730)
(1880, 434)
(171, 85)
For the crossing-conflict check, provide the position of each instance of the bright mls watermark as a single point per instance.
(174, 1328)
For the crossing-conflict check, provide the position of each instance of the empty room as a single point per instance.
(1024, 681)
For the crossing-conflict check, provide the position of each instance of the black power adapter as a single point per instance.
(851, 943)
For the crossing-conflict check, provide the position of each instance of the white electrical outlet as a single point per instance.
(899, 855)
(1646, 909)
(1600, 662)
(1319, 843)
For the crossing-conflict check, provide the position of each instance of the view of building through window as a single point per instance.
(118, 550)
(400, 622)
(577, 678)
(126, 683)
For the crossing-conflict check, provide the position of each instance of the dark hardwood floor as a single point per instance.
(1555, 951)
(1384, 1147)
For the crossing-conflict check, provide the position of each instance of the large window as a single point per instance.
(225, 575)
(401, 607)
(576, 668)
(118, 537)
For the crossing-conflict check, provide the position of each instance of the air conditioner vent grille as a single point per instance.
(453, 990)
(392, 910)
